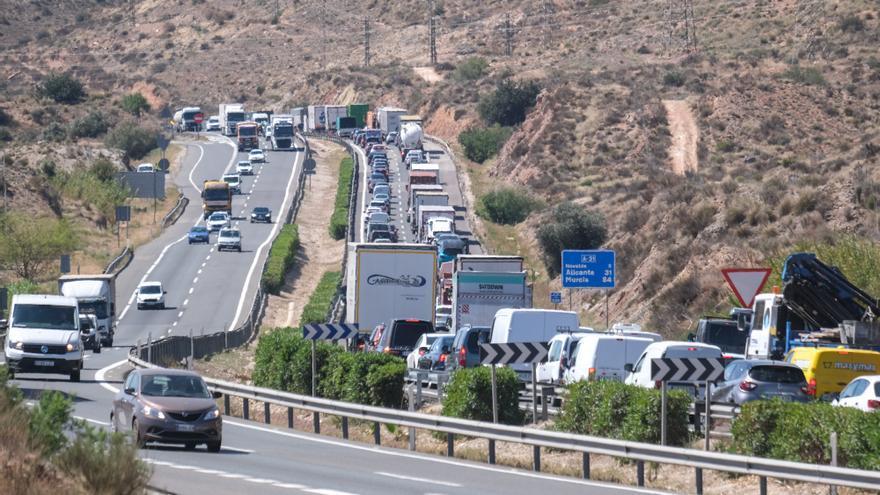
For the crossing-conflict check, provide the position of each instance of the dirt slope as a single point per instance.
(685, 135)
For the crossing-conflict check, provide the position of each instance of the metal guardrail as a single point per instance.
(175, 213)
(120, 262)
(538, 439)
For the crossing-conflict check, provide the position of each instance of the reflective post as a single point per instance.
(833, 488)
(314, 368)
(663, 412)
(494, 398)
(534, 393)
(708, 404)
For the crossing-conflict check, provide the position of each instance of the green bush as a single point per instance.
(469, 395)
(570, 226)
(508, 104)
(92, 125)
(339, 219)
(507, 206)
(90, 187)
(53, 132)
(49, 420)
(132, 139)
(275, 352)
(471, 69)
(135, 103)
(480, 144)
(673, 78)
(805, 75)
(802, 432)
(106, 462)
(365, 378)
(611, 409)
(318, 307)
(281, 257)
(62, 88)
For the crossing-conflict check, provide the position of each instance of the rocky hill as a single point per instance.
(710, 138)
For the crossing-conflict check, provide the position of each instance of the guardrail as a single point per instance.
(640, 453)
(176, 212)
(120, 262)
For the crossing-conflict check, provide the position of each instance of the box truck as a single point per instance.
(389, 119)
(230, 115)
(316, 118)
(334, 112)
(95, 295)
(477, 296)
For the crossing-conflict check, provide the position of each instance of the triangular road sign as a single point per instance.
(746, 283)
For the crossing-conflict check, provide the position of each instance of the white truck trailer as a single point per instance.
(427, 212)
(95, 295)
(230, 115)
(488, 263)
(316, 118)
(281, 132)
(332, 113)
(389, 281)
(389, 119)
(477, 296)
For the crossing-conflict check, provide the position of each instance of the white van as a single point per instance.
(44, 336)
(530, 325)
(604, 357)
(562, 347)
(641, 372)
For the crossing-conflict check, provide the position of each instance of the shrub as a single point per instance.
(348, 374)
(318, 307)
(281, 258)
(5, 118)
(275, 351)
(106, 462)
(469, 395)
(132, 139)
(5, 135)
(673, 78)
(611, 409)
(506, 206)
(29, 245)
(851, 24)
(339, 219)
(508, 104)
(62, 88)
(103, 169)
(49, 420)
(805, 75)
(471, 69)
(569, 227)
(92, 189)
(92, 125)
(480, 144)
(54, 132)
(135, 103)
(725, 146)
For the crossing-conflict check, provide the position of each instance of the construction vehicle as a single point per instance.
(248, 136)
(281, 132)
(216, 196)
(817, 306)
(230, 115)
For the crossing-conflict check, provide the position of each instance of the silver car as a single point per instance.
(750, 380)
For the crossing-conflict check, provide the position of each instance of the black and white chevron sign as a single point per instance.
(514, 353)
(687, 369)
(329, 331)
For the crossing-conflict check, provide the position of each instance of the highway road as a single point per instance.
(212, 290)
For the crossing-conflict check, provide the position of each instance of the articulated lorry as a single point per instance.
(817, 306)
(300, 118)
(216, 196)
(316, 118)
(345, 126)
(410, 138)
(281, 132)
(389, 119)
(332, 113)
(230, 115)
(184, 119)
(390, 281)
(428, 213)
(426, 198)
(95, 295)
(248, 136)
(478, 295)
(359, 111)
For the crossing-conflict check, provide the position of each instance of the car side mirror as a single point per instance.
(691, 337)
(129, 391)
(164, 292)
(628, 367)
(215, 394)
(4, 324)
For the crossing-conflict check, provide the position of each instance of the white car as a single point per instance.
(213, 123)
(244, 168)
(257, 156)
(218, 220)
(422, 345)
(146, 167)
(43, 336)
(234, 181)
(151, 294)
(229, 238)
(862, 393)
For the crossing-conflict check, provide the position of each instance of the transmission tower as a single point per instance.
(508, 36)
(807, 20)
(366, 42)
(681, 29)
(432, 22)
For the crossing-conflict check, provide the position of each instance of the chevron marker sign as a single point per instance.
(329, 331)
(687, 369)
(514, 353)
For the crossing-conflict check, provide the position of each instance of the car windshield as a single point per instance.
(407, 333)
(244, 164)
(44, 316)
(150, 289)
(217, 218)
(199, 230)
(174, 386)
(85, 325)
(97, 308)
(247, 131)
(230, 233)
(261, 210)
(777, 374)
(726, 336)
(231, 180)
(216, 194)
(377, 227)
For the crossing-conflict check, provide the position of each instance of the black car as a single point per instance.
(401, 337)
(261, 214)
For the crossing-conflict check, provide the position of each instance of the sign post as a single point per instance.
(556, 299)
(589, 269)
(746, 283)
(513, 353)
(198, 119)
(326, 331)
(694, 370)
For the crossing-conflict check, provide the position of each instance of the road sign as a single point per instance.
(556, 297)
(309, 165)
(198, 118)
(65, 263)
(123, 213)
(588, 269)
(687, 369)
(514, 353)
(746, 283)
(164, 164)
(329, 331)
(162, 141)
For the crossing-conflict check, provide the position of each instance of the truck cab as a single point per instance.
(95, 296)
(771, 323)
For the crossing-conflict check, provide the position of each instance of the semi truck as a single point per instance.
(316, 118)
(281, 132)
(817, 306)
(345, 126)
(216, 196)
(478, 295)
(488, 263)
(410, 137)
(95, 295)
(262, 119)
(184, 119)
(426, 198)
(332, 113)
(230, 115)
(421, 188)
(248, 136)
(300, 117)
(390, 281)
(359, 111)
(389, 119)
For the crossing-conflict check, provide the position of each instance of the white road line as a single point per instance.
(420, 480)
(201, 154)
(203, 264)
(93, 421)
(196, 280)
(261, 481)
(186, 301)
(208, 471)
(325, 491)
(236, 449)
(233, 476)
(209, 256)
(191, 289)
(180, 314)
(211, 251)
(173, 325)
(99, 375)
(292, 486)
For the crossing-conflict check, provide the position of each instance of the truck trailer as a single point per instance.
(95, 295)
(282, 132)
(389, 119)
(477, 296)
(230, 115)
(332, 113)
(316, 118)
(359, 111)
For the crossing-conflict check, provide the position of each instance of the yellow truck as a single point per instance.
(216, 196)
(829, 369)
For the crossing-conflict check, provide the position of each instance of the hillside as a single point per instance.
(762, 135)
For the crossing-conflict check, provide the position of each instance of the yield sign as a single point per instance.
(746, 283)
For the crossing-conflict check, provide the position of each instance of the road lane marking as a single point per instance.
(191, 289)
(186, 301)
(292, 486)
(201, 154)
(211, 251)
(324, 491)
(196, 280)
(173, 325)
(420, 480)
(180, 314)
(93, 421)
(236, 449)
(209, 256)
(99, 375)
(263, 481)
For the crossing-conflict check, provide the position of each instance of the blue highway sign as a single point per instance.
(588, 269)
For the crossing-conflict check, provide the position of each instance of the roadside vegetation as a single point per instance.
(282, 255)
(482, 143)
(30, 245)
(469, 395)
(319, 305)
(339, 220)
(506, 205)
(134, 141)
(569, 226)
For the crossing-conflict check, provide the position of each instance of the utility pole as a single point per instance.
(680, 22)
(433, 25)
(366, 42)
(508, 36)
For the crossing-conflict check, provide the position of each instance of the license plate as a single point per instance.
(185, 428)
(44, 363)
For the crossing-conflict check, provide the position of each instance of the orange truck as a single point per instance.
(248, 136)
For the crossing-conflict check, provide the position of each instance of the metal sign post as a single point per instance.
(512, 353)
(494, 397)
(555, 299)
(693, 370)
(325, 331)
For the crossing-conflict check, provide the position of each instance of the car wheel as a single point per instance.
(189, 242)
(162, 306)
(10, 372)
(190, 446)
(140, 306)
(138, 439)
(114, 427)
(239, 249)
(214, 446)
(74, 376)
(97, 348)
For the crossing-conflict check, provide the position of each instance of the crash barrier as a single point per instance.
(120, 262)
(176, 212)
(637, 453)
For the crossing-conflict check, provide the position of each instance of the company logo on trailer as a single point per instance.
(403, 281)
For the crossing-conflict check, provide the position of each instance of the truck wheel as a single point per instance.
(10, 372)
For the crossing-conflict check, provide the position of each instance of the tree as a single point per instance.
(28, 245)
(509, 103)
(135, 103)
(569, 227)
(480, 144)
(135, 141)
(62, 88)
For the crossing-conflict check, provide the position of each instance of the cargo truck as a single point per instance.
(316, 118)
(425, 213)
(488, 263)
(332, 113)
(95, 295)
(390, 281)
(230, 115)
(184, 119)
(359, 112)
(216, 196)
(281, 132)
(421, 188)
(248, 136)
(345, 126)
(262, 119)
(389, 119)
(300, 117)
(426, 198)
(478, 295)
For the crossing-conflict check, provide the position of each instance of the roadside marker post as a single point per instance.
(326, 331)
(513, 353)
(697, 370)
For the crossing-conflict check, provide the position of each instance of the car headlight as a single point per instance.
(73, 346)
(16, 345)
(212, 414)
(153, 412)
